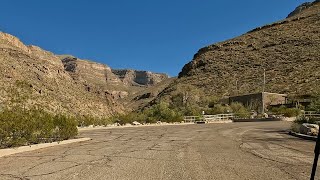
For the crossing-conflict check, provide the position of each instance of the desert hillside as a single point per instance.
(68, 84)
(288, 50)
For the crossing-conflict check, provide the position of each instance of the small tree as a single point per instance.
(239, 110)
(315, 105)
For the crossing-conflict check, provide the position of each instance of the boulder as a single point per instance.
(309, 129)
(135, 123)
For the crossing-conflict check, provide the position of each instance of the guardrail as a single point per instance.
(191, 118)
(311, 114)
(209, 118)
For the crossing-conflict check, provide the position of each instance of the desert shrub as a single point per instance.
(239, 110)
(162, 112)
(315, 105)
(303, 119)
(158, 112)
(218, 109)
(87, 120)
(287, 112)
(191, 111)
(130, 117)
(19, 126)
(65, 127)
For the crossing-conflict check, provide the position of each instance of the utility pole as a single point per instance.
(263, 89)
(237, 92)
(264, 79)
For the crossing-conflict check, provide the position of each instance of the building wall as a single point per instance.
(254, 101)
(274, 99)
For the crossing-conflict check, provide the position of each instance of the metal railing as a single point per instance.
(191, 118)
(311, 114)
(209, 118)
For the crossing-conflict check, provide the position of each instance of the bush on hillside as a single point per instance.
(87, 120)
(159, 112)
(218, 109)
(303, 119)
(287, 112)
(19, 126)
(239, 110)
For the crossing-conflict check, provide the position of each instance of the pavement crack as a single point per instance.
(15, 176)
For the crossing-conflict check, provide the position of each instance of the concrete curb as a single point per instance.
(10, 151)
(256, 120)
(131, 126)
(303, 136)
(81, 129)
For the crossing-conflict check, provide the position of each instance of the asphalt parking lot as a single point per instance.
(259, 150)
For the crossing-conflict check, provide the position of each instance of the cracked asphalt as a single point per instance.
(259, 150)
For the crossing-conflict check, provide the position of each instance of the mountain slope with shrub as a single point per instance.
(66, 84)
(288, 50)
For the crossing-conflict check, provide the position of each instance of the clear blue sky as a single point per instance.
(155, 35)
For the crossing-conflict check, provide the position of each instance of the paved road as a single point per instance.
(205, 151)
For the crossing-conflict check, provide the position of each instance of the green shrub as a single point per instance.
(315, 105)
(159, 112)
(87, 120)
(191, 111)
(239, 110)
(303, 119)
(287, 112)
(218, 109)
(65, 127)
(19, 126)
(162, 112)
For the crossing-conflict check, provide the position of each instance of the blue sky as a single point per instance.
(155, 35)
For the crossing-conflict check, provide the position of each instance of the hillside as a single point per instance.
(288, 50)
(122, 85)
(65, 83)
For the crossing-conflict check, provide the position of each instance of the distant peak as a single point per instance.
(302, 7)
(13, 41)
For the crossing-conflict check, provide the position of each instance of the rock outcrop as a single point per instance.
(43, 73)
(65, 83)
(144, 78)
(122, 85)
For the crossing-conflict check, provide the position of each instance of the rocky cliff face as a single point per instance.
(122, 85)
(144, 78)
(30, 67)
(63, 83)
(288, 50)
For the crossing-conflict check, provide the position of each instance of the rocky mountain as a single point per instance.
(302, 7)
(287, 50)
(144, 78)
(123, 85)
(65, 83)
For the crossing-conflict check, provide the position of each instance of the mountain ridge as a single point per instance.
(288, 50)
(62, 83)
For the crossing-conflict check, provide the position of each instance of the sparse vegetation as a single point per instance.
(239, 110)
(287, 112)
(19, 126)
(87, 120)
(315, 104)
(159, 112)
(303, 119)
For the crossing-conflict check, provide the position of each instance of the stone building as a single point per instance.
(260, 101)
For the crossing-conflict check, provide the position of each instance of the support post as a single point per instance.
(316, 156)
